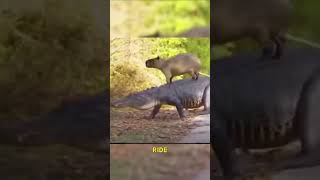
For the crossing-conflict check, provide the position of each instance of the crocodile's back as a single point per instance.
(189, 91)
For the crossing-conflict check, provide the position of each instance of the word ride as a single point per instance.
(159, 149)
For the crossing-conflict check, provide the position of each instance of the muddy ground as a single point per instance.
(259, 163)
(136, 161)
(133, 126)
(51, 163)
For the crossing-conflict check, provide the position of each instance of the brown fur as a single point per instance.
(265, 21)
(176, 65)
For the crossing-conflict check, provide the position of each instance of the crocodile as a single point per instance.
(265, 21)
(255, 110)
(176, 65)
(183, 94)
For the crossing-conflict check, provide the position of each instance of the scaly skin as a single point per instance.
(263, 104)
(183, 94)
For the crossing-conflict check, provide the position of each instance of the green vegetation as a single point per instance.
(173, 17)
(144, 17)
(48, 53)
(304, 25)
(128, 72)
(305, 20)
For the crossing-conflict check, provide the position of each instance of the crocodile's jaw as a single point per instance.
(140, 103)
(146, 106)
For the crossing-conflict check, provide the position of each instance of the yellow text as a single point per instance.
(159, 149)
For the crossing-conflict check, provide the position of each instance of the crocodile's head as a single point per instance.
(138, 101)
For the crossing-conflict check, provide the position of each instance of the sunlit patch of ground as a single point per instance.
(136, 161)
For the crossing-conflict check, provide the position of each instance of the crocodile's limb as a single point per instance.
(223, 148)
(155, 111)
(175, 102)
(182, 113)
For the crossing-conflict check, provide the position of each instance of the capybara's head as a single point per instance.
(152, 62)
